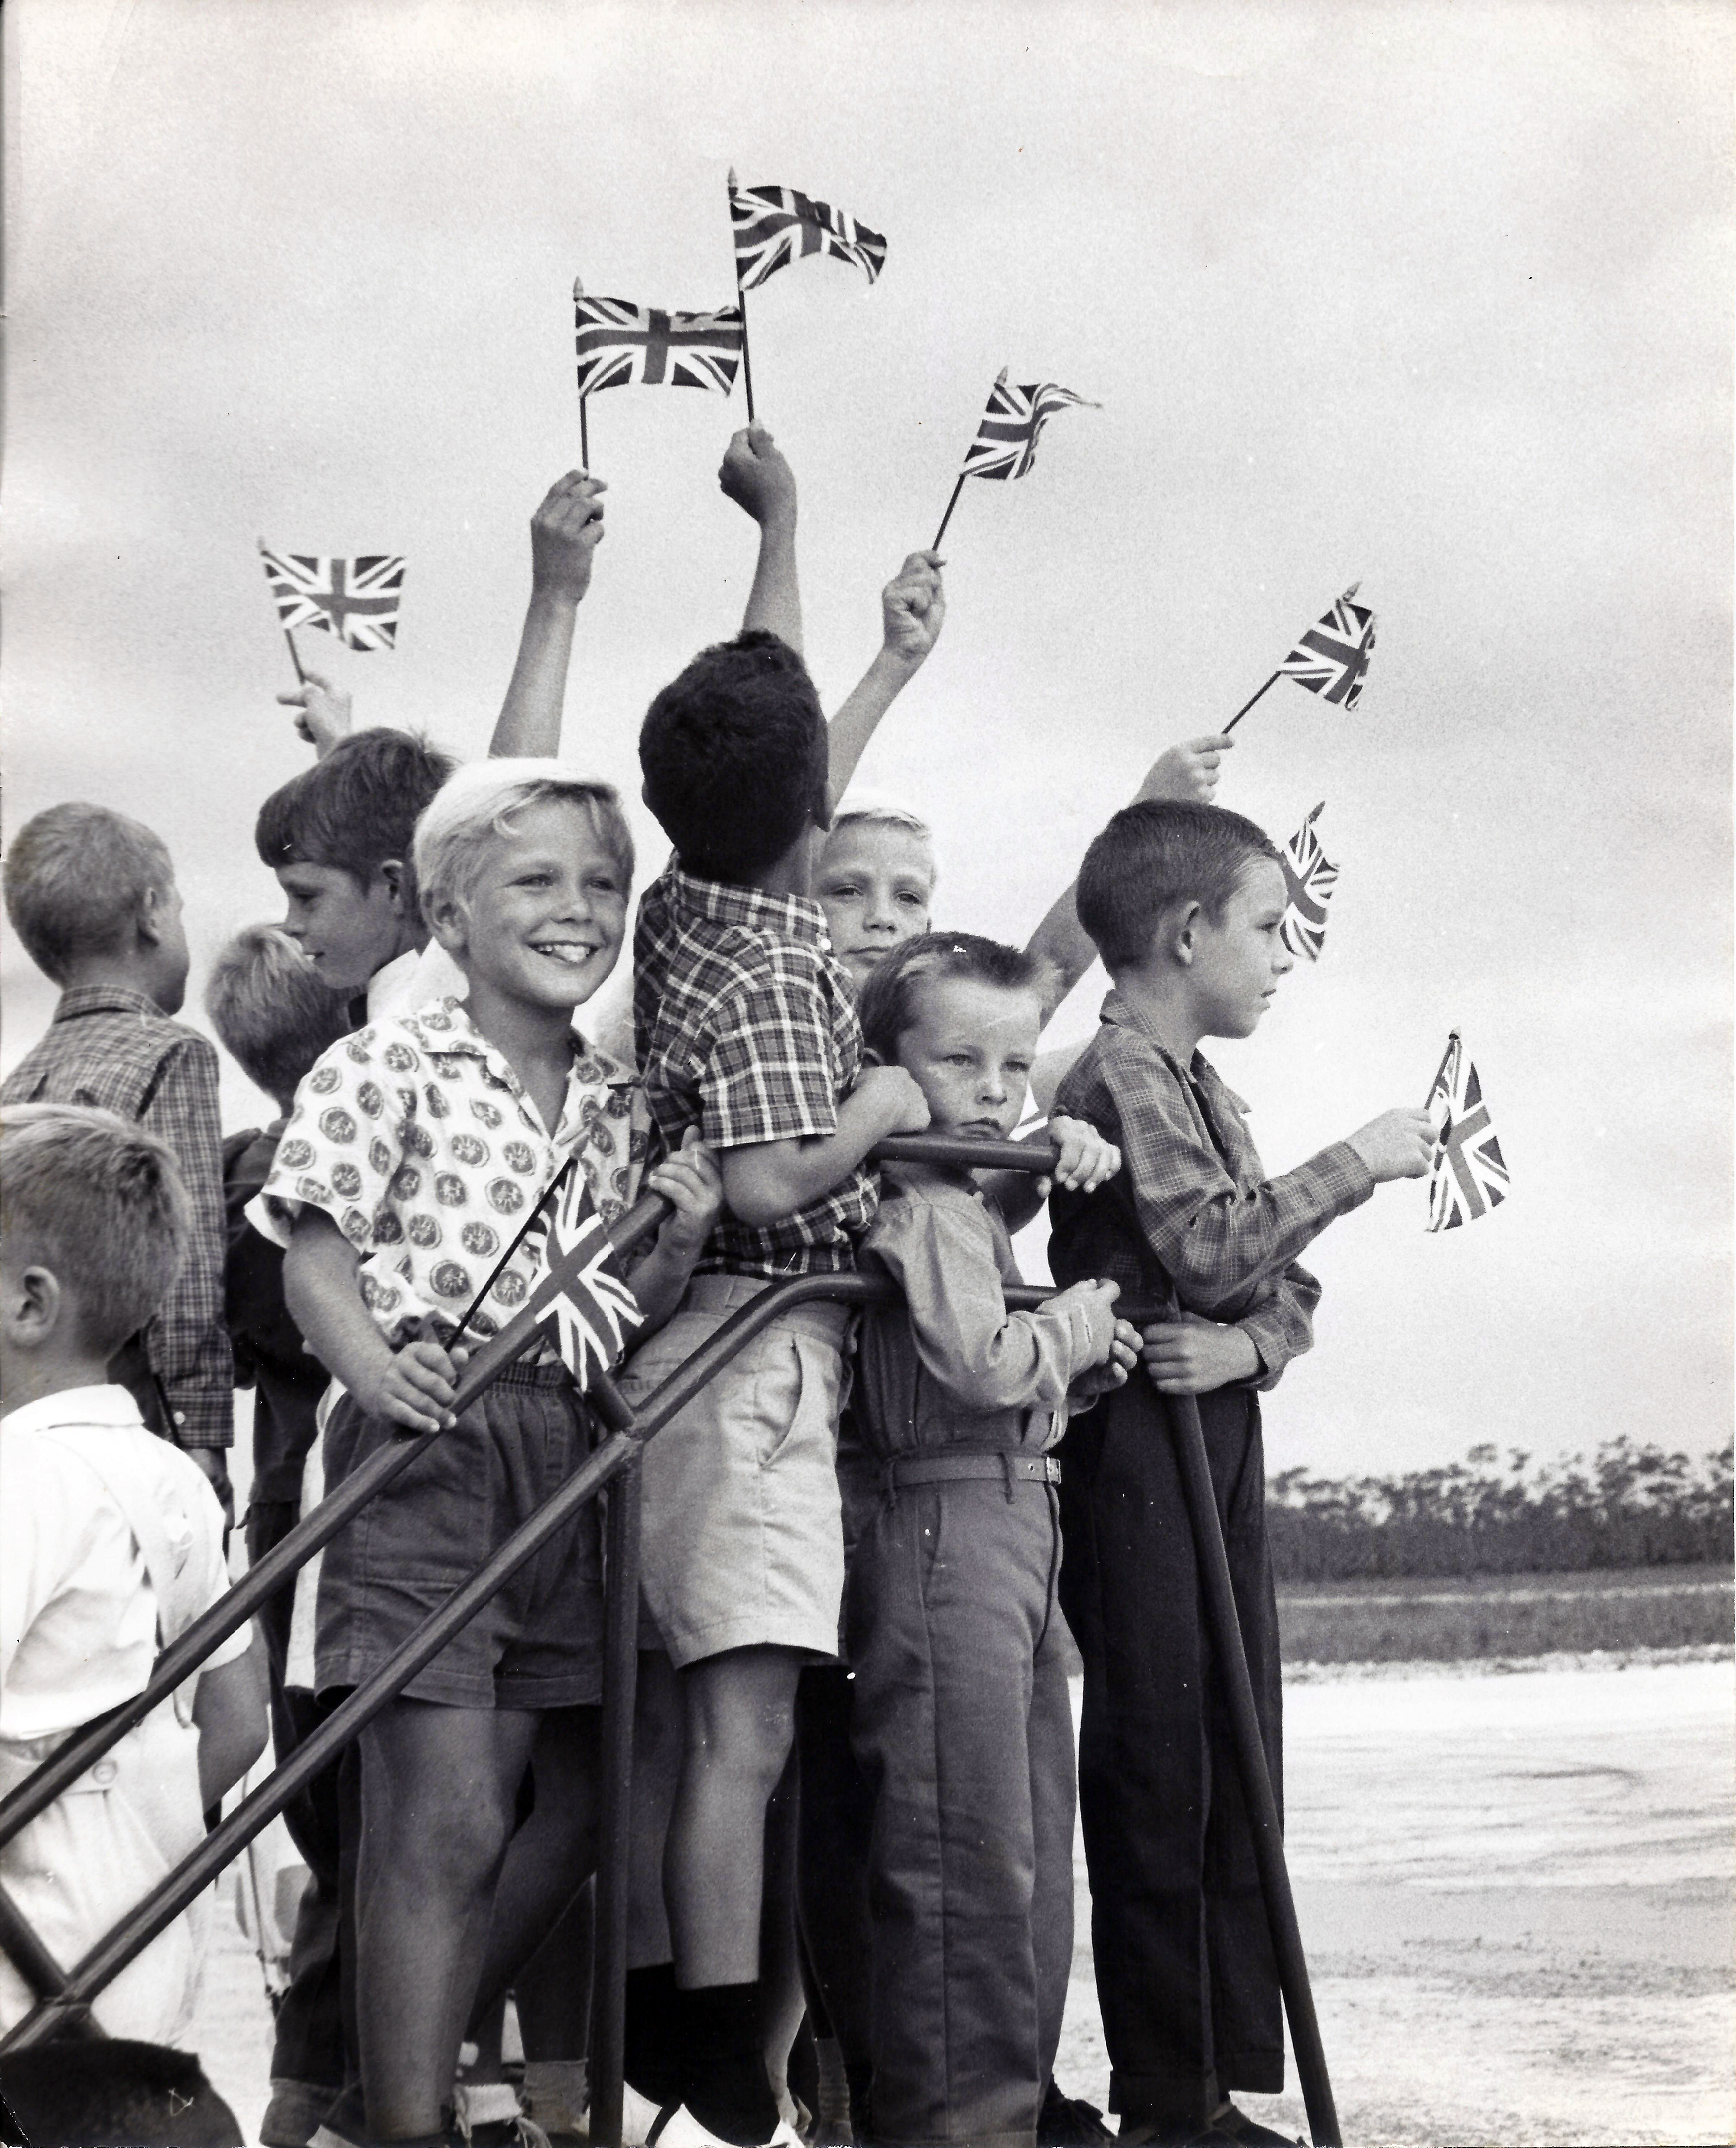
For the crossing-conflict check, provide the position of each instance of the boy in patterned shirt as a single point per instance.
(1184, 903)
(747, 1034)
(416, 1149)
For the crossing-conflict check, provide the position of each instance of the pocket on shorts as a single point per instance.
(778, 1388)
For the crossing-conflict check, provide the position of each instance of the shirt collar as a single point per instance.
(1119, 1009)
(722, 903)
(105, 1406)
(451, 1027)
(105, 999)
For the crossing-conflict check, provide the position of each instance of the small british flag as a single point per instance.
(1309, 879)
(1332, 657)
(620, 345)
(357, 600)
(1467, 1175)
(583, 1300)
(1006, 443)
(774, 226)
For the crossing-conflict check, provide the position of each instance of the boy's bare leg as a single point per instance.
(740, 1719)
(553, 1854)
(658, 1735)
(439, 1791)
(784, 1998)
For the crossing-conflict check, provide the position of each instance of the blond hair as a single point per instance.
(475, 807)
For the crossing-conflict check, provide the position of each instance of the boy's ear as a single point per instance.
(147, 917)
(391, 871)
(1179, 933)
(446, 918)
(30, 1305)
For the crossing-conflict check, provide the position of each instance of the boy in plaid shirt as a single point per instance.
(747, 1031)
(1184, 903)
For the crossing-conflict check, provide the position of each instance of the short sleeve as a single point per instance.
(206, 1577)
(349, 1141)
(774, 1072)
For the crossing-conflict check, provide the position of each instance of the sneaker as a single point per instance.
(1068, 2121)
(491, 2115)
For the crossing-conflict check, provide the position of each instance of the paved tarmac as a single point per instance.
(1516, 1892)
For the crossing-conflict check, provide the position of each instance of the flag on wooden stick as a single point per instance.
(1309, 879)
(1006, 443)
(1332, 657)
(583, 1302)
(621, 346)
(1467, 1175)
(774, 226)
(357, 600)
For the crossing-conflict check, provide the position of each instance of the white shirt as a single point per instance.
(410, 980)
(78, 1615)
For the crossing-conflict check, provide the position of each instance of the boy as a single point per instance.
(414, 1152)
(93, 897)
(1183, 902)
(275, 1017)
(961, 1711)
(339, 836)
(747, 1032)
(110, 1545)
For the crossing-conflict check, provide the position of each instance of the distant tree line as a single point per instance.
(1630, 1506)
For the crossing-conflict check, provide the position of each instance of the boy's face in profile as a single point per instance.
(347, 927)
(172, 958)
(1238, 961)
(875, 883)
(544, 922)
(970, 1051)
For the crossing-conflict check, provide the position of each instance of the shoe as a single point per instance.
(1227, 2123)
(293, 2116)
(678, 2128)
(1068, 2121)
(491, 2115)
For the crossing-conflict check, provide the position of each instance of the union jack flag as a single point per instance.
(621, 346)
(583, 1301)
(356, 600)
(1332, 657)
(1309, 879)
(1006, 443)
(1467, 1175)
(775, 226)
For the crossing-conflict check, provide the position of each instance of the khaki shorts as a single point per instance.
(742, 1542)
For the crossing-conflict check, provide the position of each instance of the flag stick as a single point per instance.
(583, 437)
(524, 1232)
(301, 676)
(947, 516)
(747, 363)
(1452, 1039)
(1246, 705)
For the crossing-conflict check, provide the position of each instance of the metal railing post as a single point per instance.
(620, 1684)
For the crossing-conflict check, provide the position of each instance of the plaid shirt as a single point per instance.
(1191, 1217)
(117, 1049)
(746, 1028)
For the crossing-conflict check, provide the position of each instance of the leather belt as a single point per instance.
(1005, 1468)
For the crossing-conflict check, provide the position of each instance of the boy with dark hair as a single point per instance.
(747, 1032)
(339, 836)
(93, 897)
(1184, 903)
(275, 1017)
(960, 1714)
(110, 1545)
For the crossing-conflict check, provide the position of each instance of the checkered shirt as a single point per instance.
(1191, 1217)
(416, 1138)
(746, 1028)
(117, 1049)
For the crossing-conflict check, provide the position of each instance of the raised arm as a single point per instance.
(564, 534)
(1060, 945)
(756, 477)
(913, 609)
(323, 712)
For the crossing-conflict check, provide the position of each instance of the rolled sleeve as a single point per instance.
(188, 1343)
(774, 1073)
(1282, 1327)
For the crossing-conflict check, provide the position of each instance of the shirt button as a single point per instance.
(179, 1416)
(103, 1772)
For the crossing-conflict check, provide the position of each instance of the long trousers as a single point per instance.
(1185, 1974)
(962, 1724)
(309, 2041)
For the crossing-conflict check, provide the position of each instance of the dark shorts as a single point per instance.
(539, 1642)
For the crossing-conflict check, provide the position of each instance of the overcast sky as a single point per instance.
(1435, 296)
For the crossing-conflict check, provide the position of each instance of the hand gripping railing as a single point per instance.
(64, 1997)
